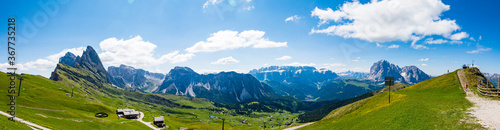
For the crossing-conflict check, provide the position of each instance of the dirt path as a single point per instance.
(146, 123)
(487, 111)
(300, 126)
(25, 122)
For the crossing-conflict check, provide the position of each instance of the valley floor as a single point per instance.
(485, 110)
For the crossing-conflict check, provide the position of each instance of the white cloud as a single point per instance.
(136, 52)
(423, 59)
(225, 61)
(393, 46)
(480, 38)
(424, 64)
(44, 64)
(437, 41)
(472, 39)
(456, 42)
(292, 18)
(379, 45)
(300, 64)
(459, 36)
(479, 49)
(284, 58)
(387, 20)
(211, 2)
(417, 46)
(227, 40)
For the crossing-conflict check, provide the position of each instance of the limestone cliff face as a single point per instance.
(87, 67)
(224, 87)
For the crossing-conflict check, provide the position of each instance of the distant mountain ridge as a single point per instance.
(300, 82)
(493, 78)
(352, 74)
(128, 76)
(407, 74)
(224, 87)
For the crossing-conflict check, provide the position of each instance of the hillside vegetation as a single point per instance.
(437, 103)
(323, 111)
(49, 104)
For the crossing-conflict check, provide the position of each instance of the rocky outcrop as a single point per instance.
(127, 76)
(407, 74)
(224, 87)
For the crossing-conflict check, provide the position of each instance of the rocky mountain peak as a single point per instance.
(407, 74)
(68, 59)
(89, 61)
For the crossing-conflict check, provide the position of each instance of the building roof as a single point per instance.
(131, 113)
(125, 110)
(159, 119)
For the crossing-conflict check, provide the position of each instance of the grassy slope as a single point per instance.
(474, 73)
(437, 103)
(323, 111)
(44, 101)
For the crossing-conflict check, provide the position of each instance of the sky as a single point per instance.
(240, 35)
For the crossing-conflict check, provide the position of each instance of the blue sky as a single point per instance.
(240, 35)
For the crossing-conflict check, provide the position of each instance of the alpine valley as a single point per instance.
(81, 85)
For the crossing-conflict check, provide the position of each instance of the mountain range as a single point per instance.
(128, 76)
(224, 87)
(494, 78)
(300, 82)
(407, 74)
(352, 74)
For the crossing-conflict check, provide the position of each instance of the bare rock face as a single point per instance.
(300, 82)
(87, 67)
(407, 74)
(224, 87)
(128, 76)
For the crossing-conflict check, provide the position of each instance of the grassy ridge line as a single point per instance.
(323, 111)
(45, 102)
(437, 103)
(472, 75)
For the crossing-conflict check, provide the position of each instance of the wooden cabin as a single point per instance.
(128, 113)
(159, 121)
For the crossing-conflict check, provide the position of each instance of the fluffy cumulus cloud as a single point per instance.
(423, 59)
(388, 20)
(459, 36)
(300, 64)
(225, 61)
(479, 49)
(44, 64)
(136, 52)
(284, 58)
(437, 41)
(227, 40)
(292, 18)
